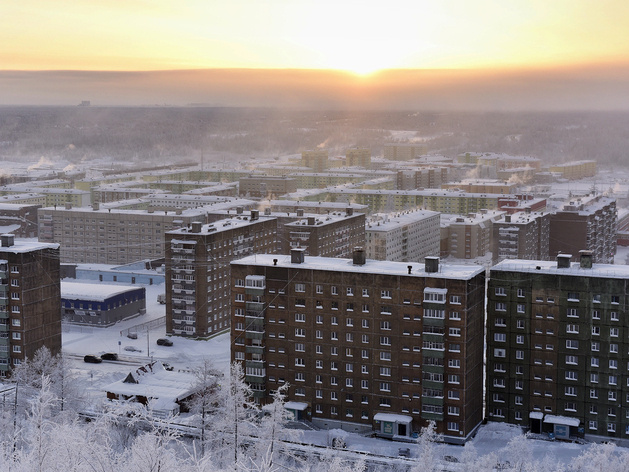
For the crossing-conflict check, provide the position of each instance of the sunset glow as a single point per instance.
(346, 35)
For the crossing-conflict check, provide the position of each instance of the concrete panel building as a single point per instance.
(316, 160)
(364, 344)
(403, 237)
(521, 236)
(266, 186)
(358, 157)
(404, 152)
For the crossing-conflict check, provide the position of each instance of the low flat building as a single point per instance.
(266, 186)
(100, 305)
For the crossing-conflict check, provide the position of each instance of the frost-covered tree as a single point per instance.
(428, 449)
(601, 458)
(204, 401)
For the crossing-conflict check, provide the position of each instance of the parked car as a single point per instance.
(450, 459)
(132, 335)
(109, 356)
(404, 452)
(161, 298)
(164, 342)
(168, 367)
(132, 349)
(92, 359)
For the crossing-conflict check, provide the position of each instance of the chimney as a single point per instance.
(586, 259)
(349, 211)
(431, 264)
(311, 220)
(150, 209)
(68, 206)
(196, 226)
(8, 240)
(267, 211)
(274, 262)
(95, 206)
(239, 210)
(297, 255)
(359, 256)
(507, 218)
(563, 261)
(300, 212)
(255, 214)
(410, 268)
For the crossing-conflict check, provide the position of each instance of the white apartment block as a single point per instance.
(403, 237)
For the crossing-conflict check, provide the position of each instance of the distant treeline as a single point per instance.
(154, 134)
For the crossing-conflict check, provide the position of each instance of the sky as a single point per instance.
(365, 40)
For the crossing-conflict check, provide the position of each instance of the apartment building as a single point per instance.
(332, 235)
(360, 157)
(30, 300)
(198, 289)
(19, 219)
(575, 170)
(468, 237)
(586, 223)
(110, 235)
(265, 186)
(317, 160)
(557, 347)
(404, 152)
(403, 237)
(364, 344)
(522, 235)
(426, 177)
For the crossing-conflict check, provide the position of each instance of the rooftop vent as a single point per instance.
(255, 214)
(8, 240)
(507, 218)
(359, 256)
(297, 255)
(239, 210)
(586, 259)
(563, 261)
(196, 226)
(349, 211)
(311, 220)
(95, 206)
(267, 211)
(431, 264)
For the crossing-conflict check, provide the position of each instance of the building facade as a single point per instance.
(110, 236)
(557, 347)
(403, 237)
(317, 160)
(332, 235)
(587, 223)
(364, 344)
(360, 157)
(198, 290)
(29, 300)
(266, 186)
(521, 236)
(404, 152)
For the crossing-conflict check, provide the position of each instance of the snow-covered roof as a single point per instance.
(392, 418)
(21, 246)
(552, 419)
(536, 415)
(446, 271)
(154, 382)
(300, 406)
(550, 267)
(92, 291)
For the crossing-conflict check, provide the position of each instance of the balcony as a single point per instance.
(4, 328)
(254, 335)
(254, 306)
(254, 349)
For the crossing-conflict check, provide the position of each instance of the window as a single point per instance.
(571, 391)
(572, 360)
(334, 290)
(593, 424)
(612, 380)
(453, 426)
(456, 363)
(596, 330)
(594, 361)
(570, 406)
(455, 299)
(385, 387)
(386, 325)
(519, 355)
(455, 331)
(334, 336)
(385, 340)
(499, 353)
(455, 315)
(519, 384)
(500, 337)
(571, 375)
(454, 347)
(573, 312)
(520, 324)
(319, 364)
(596, 315)
(385, 293)
(385, 371)
(593, 378)
(300, 332)
(365, 292)
(613, 332)
(593, 393)
(519, 339)
(349, 337)
(453, 395)
(17, 348)
(572, 344)
(319, 334)
(16, 322)
(572, 328)
(615, 298)
(300, 362)
(573, 296)
(15, 296)
(614, 316)
(319, 289)
(300, 287)
(596, 347)
(613, 348)
(364, 384)
(521, 308)
(520, 292)
(613, 364)
(300, 317)
(501, 306)
(500, 291)
(385, 356)
(611, 396)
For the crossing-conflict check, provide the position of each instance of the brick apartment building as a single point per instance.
(30, 300)
(364, 344)
(198, 290)
(557, 347)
